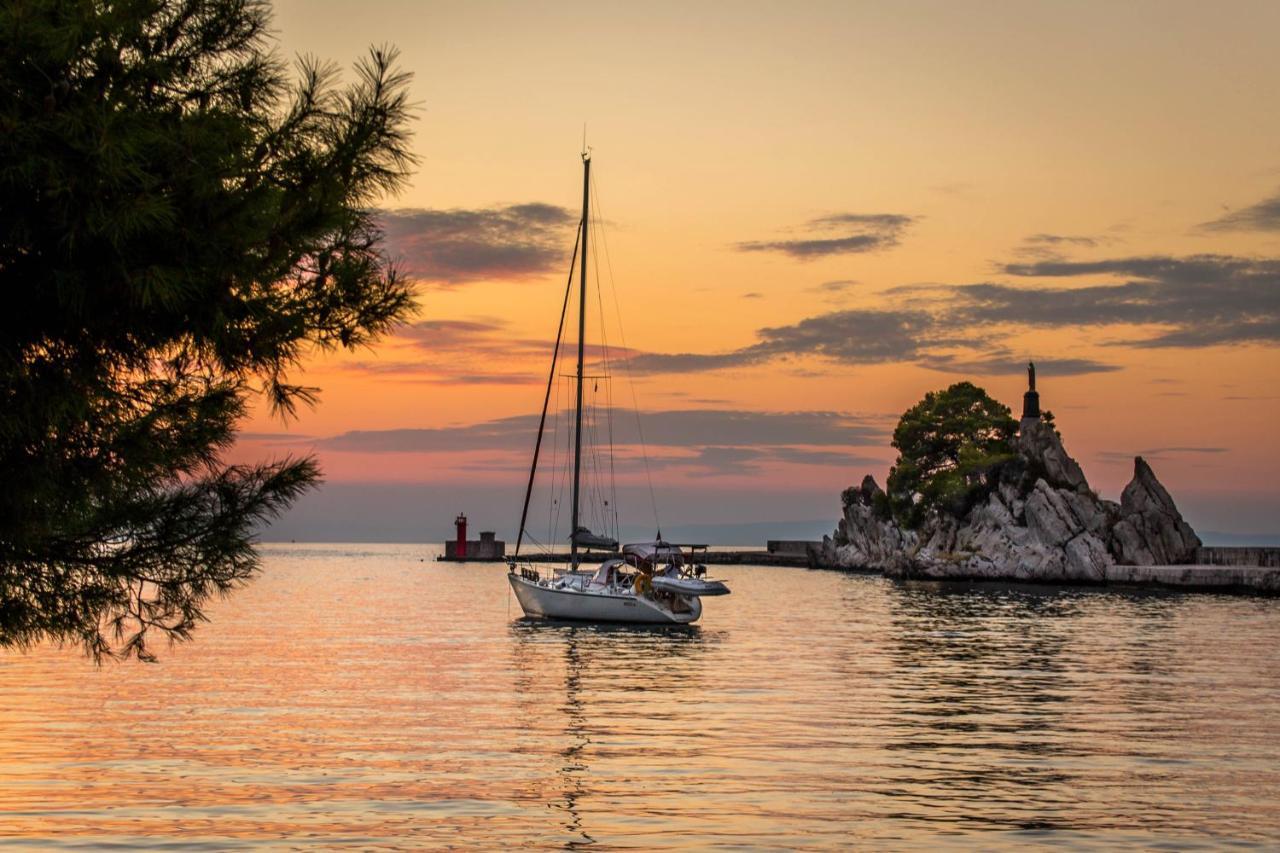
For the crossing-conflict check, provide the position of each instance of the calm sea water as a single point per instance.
(359, 695)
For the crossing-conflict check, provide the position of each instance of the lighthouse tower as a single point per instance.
(1030, 400)
(460, 523)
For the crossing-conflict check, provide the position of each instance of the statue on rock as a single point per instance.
(1031, 399)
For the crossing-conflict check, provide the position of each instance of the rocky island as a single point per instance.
(1015, 508)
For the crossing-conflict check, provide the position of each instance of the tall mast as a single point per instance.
(582, 327)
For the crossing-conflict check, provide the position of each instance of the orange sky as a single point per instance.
(842, 175)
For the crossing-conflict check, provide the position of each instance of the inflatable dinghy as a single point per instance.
(689, 586)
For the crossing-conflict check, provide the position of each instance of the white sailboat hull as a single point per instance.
(537, 599)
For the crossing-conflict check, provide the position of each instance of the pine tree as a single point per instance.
(949, 444)
(182, 218)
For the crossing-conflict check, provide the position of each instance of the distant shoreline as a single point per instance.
(1211, 539)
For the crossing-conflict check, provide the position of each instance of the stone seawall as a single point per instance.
(1223, 556)
(1245, 578)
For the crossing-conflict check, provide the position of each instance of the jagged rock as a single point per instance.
(1039, 443)
(863, 540)
(1150, 530)
(1039, 522)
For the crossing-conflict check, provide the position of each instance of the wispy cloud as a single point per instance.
(866, 336)
(849, 337)
(450, 247)
(847, 233)
(1263, 216)
(1155, 453)
(838, 286)
(1061, 240)
(723, 461)
(1008, 365)
(1051, 246)
(475, 351)
(438, 373)
(1199, 300)
(674, 428)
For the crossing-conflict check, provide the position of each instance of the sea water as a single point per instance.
(368, 696)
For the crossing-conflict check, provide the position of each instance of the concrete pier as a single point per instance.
(1238, 556)
(1265, 579)
(708, 558)
(1231, 572)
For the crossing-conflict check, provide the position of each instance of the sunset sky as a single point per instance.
(815, 213)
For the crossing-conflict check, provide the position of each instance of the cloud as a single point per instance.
(1050, 246)
(1263, 216)
(450, 247)
(1155, 453)
(866, 336)
(852, 337)
(719, 460)
(451, 333)
(753, 295)
(435, 373)
(837, 286)
(1204, 300)
(692, 362)
(674, 428)
(1060, 240)
(1004, 365)
(956, 189)
(1183, 302)
(847, 337)
(472, 351)
(858, 232)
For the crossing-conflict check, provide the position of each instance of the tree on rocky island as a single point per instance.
(181, 220)
(949, 445)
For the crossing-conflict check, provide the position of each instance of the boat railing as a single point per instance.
(525, 569)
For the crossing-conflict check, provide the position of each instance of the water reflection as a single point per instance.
(596, 660)
(1005, 692)
(391, 702)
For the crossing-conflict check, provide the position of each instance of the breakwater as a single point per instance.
(1255, 570)
(719, 557)
(1238, 556)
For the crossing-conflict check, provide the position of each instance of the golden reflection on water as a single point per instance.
(358, 695)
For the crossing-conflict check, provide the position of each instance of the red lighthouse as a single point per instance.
(461, 523)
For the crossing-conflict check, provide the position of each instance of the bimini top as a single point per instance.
(651, 553)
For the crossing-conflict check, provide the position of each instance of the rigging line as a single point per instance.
(593, 458)
(542, 422)
(626, 363)
(555, 468)
(597, 469)
(561, 473)
(608, 372)
(596, 466)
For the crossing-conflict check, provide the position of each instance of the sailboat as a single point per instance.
(646, 582)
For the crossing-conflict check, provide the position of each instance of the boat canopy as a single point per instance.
(607, 574)
(584, 538)
(652, 553)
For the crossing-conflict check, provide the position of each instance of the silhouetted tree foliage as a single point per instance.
(181, 219)
(950, 446)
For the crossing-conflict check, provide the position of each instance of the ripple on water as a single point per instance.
(355, 695)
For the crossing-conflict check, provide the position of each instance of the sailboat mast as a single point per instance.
(582, 327)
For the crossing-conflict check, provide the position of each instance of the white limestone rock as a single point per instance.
(1039, 522)
(1039, 443)
(863, 539)
(1150, 531)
